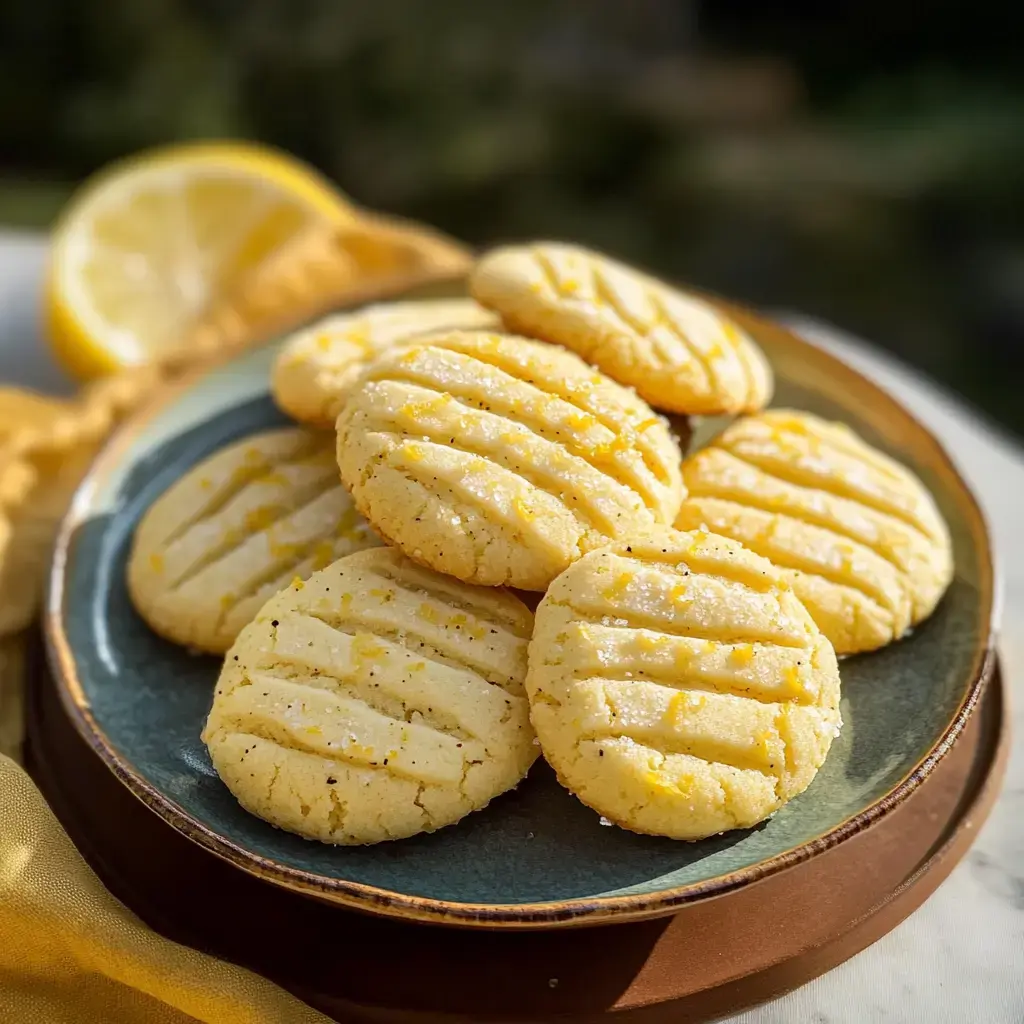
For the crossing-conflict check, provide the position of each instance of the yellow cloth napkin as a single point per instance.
(69, 951)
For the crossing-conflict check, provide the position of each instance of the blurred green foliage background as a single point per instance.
(863, 162)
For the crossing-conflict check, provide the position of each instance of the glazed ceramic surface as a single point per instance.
(535, 857)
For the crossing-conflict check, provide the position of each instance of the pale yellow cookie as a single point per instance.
(680, 353)
(678, 687)
(236, 529)
(856, 534)
(500, 460)
(374, 701)
(316, 368)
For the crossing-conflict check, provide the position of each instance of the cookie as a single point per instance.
(856, 534)
(316, 368)
(678, 687)
(236, 529)
(678, 352)
(500, 460)
(374, 701)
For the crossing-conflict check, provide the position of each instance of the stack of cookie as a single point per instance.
(384, 674)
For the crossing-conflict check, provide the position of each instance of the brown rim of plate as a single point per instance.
(554, 914)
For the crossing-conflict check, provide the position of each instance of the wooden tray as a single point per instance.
(710, 959)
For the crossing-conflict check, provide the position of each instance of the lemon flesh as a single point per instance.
(144, 248)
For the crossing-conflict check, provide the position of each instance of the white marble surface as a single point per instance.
(960, 958)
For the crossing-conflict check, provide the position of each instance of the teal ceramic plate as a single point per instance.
(535, 857)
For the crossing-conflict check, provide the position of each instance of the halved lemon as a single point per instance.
(143, 248)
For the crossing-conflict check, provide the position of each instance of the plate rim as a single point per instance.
(577, 911)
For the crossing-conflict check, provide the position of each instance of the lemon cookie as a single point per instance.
(315, 369)
(501, 460)
(679, 353)
(374, 701)
(236, 529)
(678, 687)
(855, 533)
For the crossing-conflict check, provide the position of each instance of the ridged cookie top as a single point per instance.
(500, 460)
(237, 528)
(316, 367)
(676, 350)
(376, 700)
(857, 534)
(678, 688)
